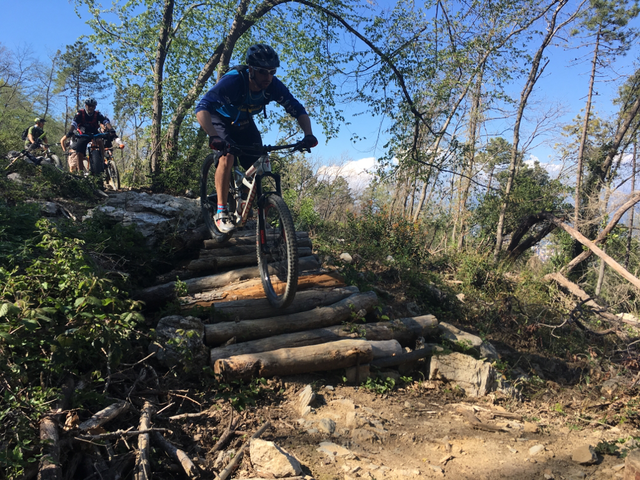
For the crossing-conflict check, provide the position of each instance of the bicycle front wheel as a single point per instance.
(277, 249)
(113, 176)
(56, 161)
(209, 197)
(96, 162)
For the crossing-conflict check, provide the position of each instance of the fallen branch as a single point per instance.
(234, 462)
(224, 438)
(105, 415)
(143, 462)
(178, 455)
(121, 434)
(396, 360)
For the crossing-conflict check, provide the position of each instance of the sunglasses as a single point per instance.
(265, 71)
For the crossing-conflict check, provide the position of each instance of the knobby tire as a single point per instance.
(113, 174)
(277, 250)
(209, 197)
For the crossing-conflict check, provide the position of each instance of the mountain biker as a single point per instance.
(226, 114)
(86, 121)
(35, 135)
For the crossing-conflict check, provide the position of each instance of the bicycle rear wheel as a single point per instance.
(209, 197)
(277, 249)
(113, 176)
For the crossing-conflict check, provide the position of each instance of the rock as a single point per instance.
(632, 465)
(475, 377)
(154, 216)
(358, 374)
(455, 336)
(15, 177)
(413, 309)
(361, 435)
(346, 258)
(326, 425)
(585, 455)
(390, 259)
(610, 387)
(305, 398)
(333, 450)
(536, 449)
(180, 341)
(271, 460)
(530, 427)
(488, 351)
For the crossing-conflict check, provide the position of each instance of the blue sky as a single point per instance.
(45, 26)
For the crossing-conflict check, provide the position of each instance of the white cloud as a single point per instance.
(357, 173)
(553, 168)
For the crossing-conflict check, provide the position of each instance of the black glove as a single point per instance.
(309, 141)
(217, 143)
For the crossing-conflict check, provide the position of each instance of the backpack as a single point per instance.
(25, 134)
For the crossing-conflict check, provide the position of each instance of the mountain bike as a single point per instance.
(39, 155)
(101, 159)
(276, 243)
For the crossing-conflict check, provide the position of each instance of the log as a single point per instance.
(213, 263)
(293, 361)
(49, 467)
(243, 249)
(250, 309)
(159, 294)
(587, 300)
(635, 198)
(405, 330)
(246, 330)
(252, 289)
(143, 462)
(595, 249)
(244, 238)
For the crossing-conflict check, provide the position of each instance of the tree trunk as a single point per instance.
(534, 74)
(246, 330)
(405, 331)
(585, 131)
(211, 263)
(627, 255)
(158, 74)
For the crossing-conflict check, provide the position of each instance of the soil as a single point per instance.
(425, 430)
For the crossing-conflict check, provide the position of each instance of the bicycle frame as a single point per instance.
(252, 179)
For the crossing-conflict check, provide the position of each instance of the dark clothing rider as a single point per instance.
(87, 121)
(226, 114)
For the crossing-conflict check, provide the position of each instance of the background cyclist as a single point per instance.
(226, 114)
(35, 135)
(86, 121)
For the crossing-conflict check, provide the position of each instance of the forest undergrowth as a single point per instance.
(66, 308)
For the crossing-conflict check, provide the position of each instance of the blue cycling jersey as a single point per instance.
(232, 98)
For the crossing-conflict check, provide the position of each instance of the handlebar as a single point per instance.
(260, 150)
(93, 135)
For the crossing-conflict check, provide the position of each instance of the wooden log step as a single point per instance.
(250, 308)
(244, 238)
(246, 330)
(404, 330)
(159, 294)
(243, 249)
(252, 289)
(213, 263)
(313, 358)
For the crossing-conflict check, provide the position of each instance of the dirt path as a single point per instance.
(424, 431)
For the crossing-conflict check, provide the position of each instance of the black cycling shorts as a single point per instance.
(244, 132)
